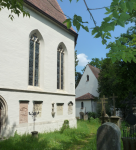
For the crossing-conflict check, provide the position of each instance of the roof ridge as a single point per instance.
(51, 8)
(95, 70)
(93, 66)
(86, 96)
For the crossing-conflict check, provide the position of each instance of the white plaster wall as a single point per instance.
(85, 86)
(90, 106)
(46, 122)
(14, 66)
(14, 58)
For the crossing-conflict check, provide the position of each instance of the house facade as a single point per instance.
(86, 91)
(37, 70)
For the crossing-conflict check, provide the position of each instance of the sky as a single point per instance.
(87, 46)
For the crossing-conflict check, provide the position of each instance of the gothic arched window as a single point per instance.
(60, 68)
(34, 61)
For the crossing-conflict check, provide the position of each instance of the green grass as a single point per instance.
(83, 138)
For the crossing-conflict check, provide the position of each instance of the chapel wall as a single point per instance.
(44, 123)
(14, 58)
(85, 86)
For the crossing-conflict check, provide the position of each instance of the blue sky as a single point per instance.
(87, 46)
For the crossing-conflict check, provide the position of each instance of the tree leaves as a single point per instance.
(120, 22)
(77, 22)
(129, 5)
(68, 21)
(120, 13)
(15, 6)
(115, 14)
(124, 16)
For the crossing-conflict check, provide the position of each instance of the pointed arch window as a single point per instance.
(34, 60)
(60, 68)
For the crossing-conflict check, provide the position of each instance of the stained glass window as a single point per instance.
(34, 61)
(60, 68)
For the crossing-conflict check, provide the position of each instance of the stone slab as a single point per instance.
(108, 137)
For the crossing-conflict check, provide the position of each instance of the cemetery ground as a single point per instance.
(83, 138)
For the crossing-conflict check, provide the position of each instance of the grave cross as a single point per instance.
(114, 103)
(103, 104)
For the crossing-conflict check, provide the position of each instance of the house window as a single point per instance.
(34, 61)
(87, 77)
(60, 68)
(82, 105)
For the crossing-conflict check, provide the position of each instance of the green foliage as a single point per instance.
(117, 78)
(78, 75)
(77, 22)
(69, 139)
(16, 7)
(64, 126)
(92, 115)
(77, 78)
(121, 12)
(107, 107)
(84, 137)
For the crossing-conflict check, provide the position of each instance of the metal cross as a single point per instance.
(114, 103)
(103, 104)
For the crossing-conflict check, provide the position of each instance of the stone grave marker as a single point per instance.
(38, 107)
(86, 117)
(108, 137)
(23, 112)
(70, 108)
(60, 108)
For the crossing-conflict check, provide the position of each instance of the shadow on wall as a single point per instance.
(7, 131)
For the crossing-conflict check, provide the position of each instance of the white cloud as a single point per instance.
(83, 61)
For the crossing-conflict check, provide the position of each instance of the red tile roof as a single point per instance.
(87, 96)
(46, 7)
(95, 71)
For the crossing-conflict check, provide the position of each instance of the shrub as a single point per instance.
(64, 126)
(92, 114)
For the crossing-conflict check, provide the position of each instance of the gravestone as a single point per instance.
(70, 108)
(60, 108)
(23, 112)
(86, 117)
(108, 137)
(38, 108)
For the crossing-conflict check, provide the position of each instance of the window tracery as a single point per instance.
(60, 68)
(34, 60)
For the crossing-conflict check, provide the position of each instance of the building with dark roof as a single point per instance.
(36, 69)
(86, 91)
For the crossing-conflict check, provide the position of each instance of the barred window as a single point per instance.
(34, 61)
(60, 68)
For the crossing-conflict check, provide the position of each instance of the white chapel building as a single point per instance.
(86, 91)
(37, 69)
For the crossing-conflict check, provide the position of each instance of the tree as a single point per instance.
(76, 61)
(118, 78)
(78, 75)
(77, 78)
(96, 62)
(16, 7)
(120, 12)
